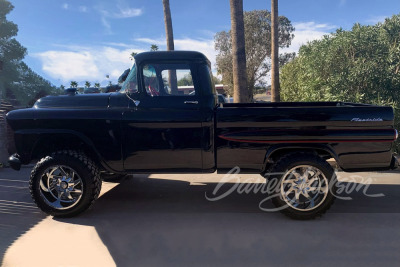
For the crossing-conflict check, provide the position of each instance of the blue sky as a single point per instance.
(89, 39)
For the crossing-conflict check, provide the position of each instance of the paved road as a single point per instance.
(166, 220)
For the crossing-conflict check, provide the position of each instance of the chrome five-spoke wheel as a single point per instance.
(304, 188)
(306, 185)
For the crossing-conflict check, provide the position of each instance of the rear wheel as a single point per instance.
(65, 183)
(305, 185)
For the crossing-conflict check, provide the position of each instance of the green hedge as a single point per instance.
(361, 65)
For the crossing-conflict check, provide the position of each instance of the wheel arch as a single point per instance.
(278, 151)
(38, 143)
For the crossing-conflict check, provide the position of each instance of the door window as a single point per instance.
(168, 80)
(130, 84)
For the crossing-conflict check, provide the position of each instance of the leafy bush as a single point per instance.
(360, 65)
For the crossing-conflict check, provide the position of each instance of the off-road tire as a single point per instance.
(86, 169)
(277, 172)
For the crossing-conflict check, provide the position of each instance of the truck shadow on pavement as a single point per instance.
(156, 221)
(18, 213)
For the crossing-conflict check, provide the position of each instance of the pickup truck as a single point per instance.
(152, 126)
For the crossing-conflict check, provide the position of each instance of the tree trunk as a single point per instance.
(275, 95)
(240, 94)
(168, 25)
(173, 81)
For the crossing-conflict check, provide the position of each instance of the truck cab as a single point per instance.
(165, 128)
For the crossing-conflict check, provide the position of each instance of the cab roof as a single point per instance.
(171, 56)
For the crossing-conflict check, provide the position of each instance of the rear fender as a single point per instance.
(277, 151)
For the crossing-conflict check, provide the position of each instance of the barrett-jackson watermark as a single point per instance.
(231, 183)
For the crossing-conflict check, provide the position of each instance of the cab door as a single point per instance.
(162, 131)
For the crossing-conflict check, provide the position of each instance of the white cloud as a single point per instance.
(83, 9)
(85, 63)
(207, 33)
(81, 63)
(159, 42)
(376, 19)
(122, 13)
(128, 13)
(117, 44)
(307, 32)
(204, 46)
(312, 26)
(106, 25)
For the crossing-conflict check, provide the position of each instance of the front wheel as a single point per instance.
(305, 185)
(65, 183)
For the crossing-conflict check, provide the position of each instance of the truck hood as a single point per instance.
(89, 101)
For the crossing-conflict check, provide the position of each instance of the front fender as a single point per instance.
(35, 143)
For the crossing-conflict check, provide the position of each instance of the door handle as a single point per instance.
(191, 102)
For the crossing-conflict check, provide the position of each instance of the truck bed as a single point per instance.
(295, 104)
(358, 136)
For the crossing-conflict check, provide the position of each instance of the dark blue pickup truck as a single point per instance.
(155, 125)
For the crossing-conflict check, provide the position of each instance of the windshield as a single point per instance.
(130, 85)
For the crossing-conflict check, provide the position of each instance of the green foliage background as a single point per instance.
(17, 80)
(361, 65)
(257, 25)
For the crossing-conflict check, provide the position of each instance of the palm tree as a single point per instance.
(168, 25)
(133, 54)
(74, 84)
(97, 85)
(154, 47)
(275, 95)
(240, 94)
(87, 84)
(173, 82)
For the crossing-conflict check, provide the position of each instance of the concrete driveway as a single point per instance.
(166, 220)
